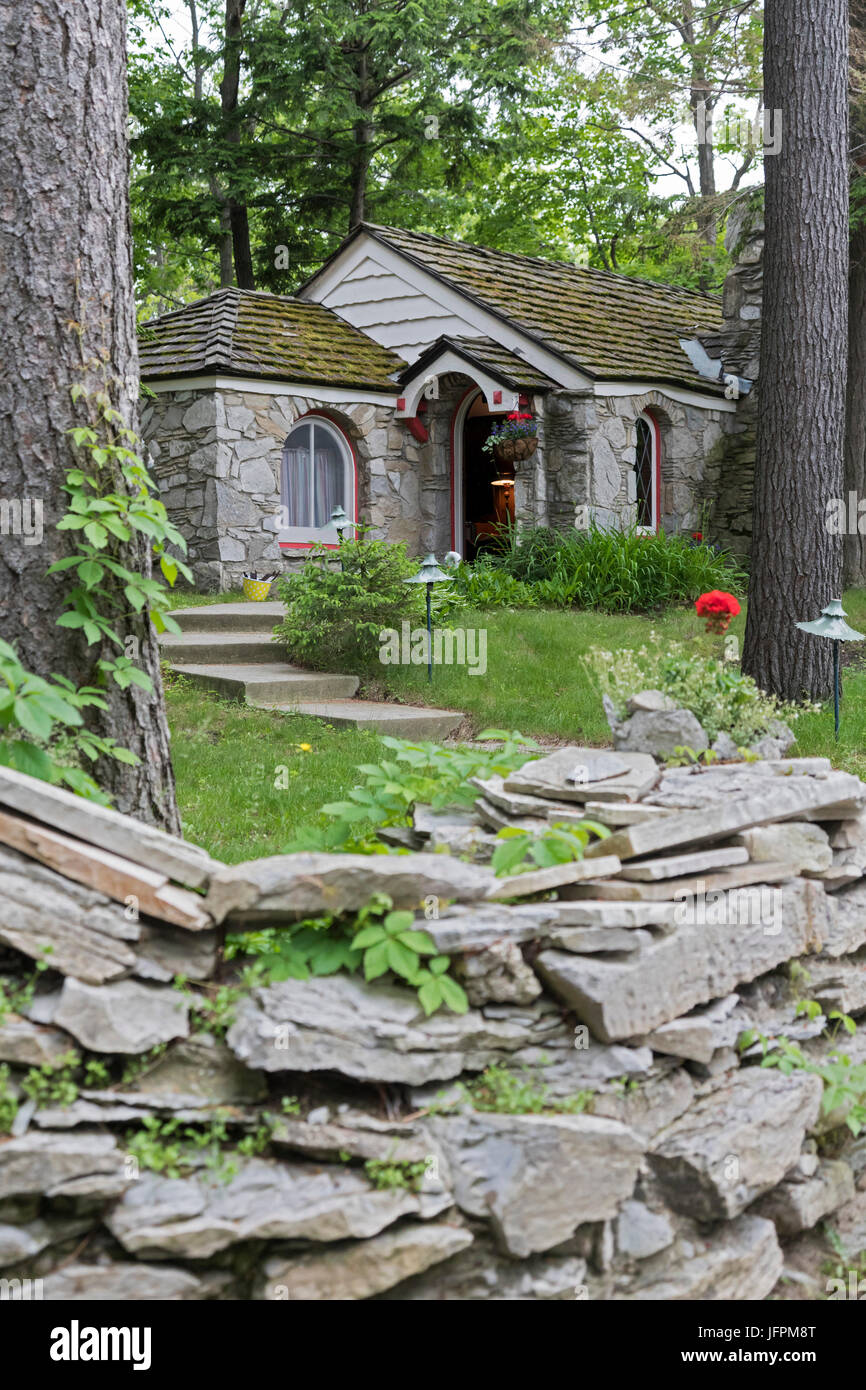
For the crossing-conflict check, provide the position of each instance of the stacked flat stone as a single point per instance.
(691, 1171)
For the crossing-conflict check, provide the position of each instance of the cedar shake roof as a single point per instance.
(610, 326)
(252, 334)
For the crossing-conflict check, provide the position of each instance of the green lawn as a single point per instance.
(226, 756)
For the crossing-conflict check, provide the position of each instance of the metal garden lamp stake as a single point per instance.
(429, 574)
(341, 523)
(832, 625)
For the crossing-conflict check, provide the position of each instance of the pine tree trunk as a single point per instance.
(239, 221)
(67, 294)
(855, 435)
(855, 432)
(796, 562)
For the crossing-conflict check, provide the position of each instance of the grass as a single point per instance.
(226, 756)
(226, 760)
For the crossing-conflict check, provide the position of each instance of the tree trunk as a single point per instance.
(239, 221)
(796, 562)
(363, 134)
(855, 435)
(67, 270)
(855, 430)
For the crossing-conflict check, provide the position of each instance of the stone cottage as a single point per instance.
(375, 386)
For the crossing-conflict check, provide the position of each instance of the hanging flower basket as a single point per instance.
(512, 439)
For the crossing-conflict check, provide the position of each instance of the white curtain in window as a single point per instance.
(314, 476)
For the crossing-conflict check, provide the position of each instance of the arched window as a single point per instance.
(647, 473)
(318, 474)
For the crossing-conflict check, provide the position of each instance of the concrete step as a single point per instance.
(379, 716)
(229, 617)
(219, 648)
(270, 684)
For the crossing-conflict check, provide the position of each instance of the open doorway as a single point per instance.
(483, 486)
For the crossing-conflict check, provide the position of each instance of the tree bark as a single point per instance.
(796, 561)
(239, 221)
(855, 429)
(855, 434)
(65, 252)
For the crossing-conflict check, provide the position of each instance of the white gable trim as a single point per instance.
(450, 361)
(481, 323)
(674, 393)
(309, 390)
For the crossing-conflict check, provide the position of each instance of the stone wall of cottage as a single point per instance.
(690, 439)
(217, 457)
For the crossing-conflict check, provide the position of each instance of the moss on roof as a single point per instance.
(252, 334)
(611, 326)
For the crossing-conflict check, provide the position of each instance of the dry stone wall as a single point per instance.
(657, 1158)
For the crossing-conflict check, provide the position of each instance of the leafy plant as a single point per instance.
(390, 1174)
(844, 1080)
(377, 939)
(616, 571)
(417, 774)
(483, 584)
(504, 1092)
(174, 1147)
(562, 843)
(338, 604)
(111, 497)
(53, 1083)
(8, 1101)
(722, 699)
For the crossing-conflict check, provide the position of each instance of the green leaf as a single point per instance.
(33, 718)
(90, 572)
(369, 936)
(401, 959)
(453, 995)
(418, 941)
(96, 534)
(430, 996)
(376, 961)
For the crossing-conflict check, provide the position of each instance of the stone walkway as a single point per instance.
(228, 647)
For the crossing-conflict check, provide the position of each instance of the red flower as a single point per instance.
(697, 535)
(717, 603)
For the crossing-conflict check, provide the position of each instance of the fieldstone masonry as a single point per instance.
(217, 457)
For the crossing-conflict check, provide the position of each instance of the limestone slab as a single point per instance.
(786, 799)
(701, 960)
(735, 1143)
(294, 886)
(682, 865)
(550, 777)
(364, 1268)
(676, 889)
(557, 876)
(537, 1177)
(102, 826)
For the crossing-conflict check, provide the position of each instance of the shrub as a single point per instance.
(616, 571)
(334, 615)
(720, 697)
(486, 585)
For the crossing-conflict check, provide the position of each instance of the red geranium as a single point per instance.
(697, 535)
(718, 608)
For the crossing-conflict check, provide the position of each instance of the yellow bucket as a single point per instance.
(257, 589)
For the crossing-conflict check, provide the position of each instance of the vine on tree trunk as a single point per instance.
(111, 496)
